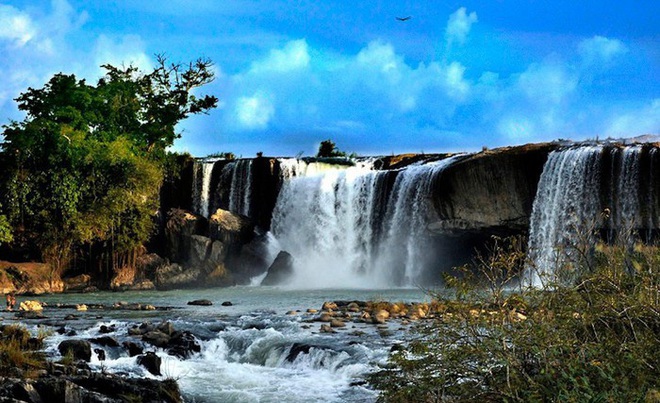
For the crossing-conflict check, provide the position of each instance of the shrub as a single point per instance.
(593, 340)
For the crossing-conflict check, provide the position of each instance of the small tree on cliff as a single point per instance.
(329, 149)
(85, 165)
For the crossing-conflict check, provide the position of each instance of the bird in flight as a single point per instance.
(403, 18)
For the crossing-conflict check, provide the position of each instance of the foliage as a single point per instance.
(593, 340)
(5, 230)
(85, 166)
(18, 351)
(228, 155)
(329, 149)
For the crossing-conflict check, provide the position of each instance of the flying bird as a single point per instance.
(403, 18)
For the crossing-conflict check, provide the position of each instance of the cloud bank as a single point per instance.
(377, 97)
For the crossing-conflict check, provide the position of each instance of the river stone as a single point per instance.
(200, 302)
(133, 348)
(337, 323)
(156, 338)
(151, 362)
(81, 349)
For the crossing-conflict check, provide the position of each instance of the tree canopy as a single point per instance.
(85, 165)
(328, 148)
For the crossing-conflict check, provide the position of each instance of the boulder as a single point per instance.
(280, 271)
(200, 249)
(230, 228)
(252, 260)
(77, 283)
(80, 349)
(156, 338)
(151, 362)
(175, 275)
(180, 226)
(123, 278)
(30, 305)
(183, 345)
(132, 348)
(200, 302)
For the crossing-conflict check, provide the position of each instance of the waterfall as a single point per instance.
(353, 227)
(234, 188)
(584, 192)
(294, 167)
(202, 186)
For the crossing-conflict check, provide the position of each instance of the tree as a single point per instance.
(328, 149)
(84, 168)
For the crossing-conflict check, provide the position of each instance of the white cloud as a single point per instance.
(600, 48)
(547, 83)
(457, 86)
(126, 50)
(459, 25)
(254, 112)
(293, 56)
(15, 26)
(642, 120)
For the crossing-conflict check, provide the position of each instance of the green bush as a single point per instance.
(595, 340)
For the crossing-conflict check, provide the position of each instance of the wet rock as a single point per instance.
(100, 353)
(337, 323)
(325, 328)
(80, 349)
(227, 303)
(329, 306)
(107, 329)
(297, 349)
(132, 348)
(325, 317)
(31, 315)
(280, 271)
(156, 338)
(31, 305)
(183, 345)
(151, 362)
(200, 302)
(105, 341)
(166, 327)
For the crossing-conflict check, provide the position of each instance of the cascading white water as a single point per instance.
(568, 210)
(626, 215)
(343, 230)
(295, 167)
(405, 246)
(237, 175)
(202, 186)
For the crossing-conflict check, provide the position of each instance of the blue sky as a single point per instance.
(458, 75)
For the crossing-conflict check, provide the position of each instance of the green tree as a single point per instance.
(329, 149)
(84, 168)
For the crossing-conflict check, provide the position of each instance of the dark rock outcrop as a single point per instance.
(490, 191)
(151, 362)
(79, 349)
(280, 271)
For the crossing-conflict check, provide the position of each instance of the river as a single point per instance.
(250, 350)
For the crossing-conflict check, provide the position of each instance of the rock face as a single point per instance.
(29, 278)
(490, 191)
(280, 271)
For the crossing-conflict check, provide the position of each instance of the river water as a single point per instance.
(249, 349)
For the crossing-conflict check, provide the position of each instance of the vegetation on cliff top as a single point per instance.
(82, 171)
(594, 340)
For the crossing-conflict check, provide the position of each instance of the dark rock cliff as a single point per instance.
(490, 191)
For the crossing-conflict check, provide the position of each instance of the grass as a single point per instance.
(19, 352)
(595, 339)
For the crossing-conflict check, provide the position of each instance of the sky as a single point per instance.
(456, 76)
